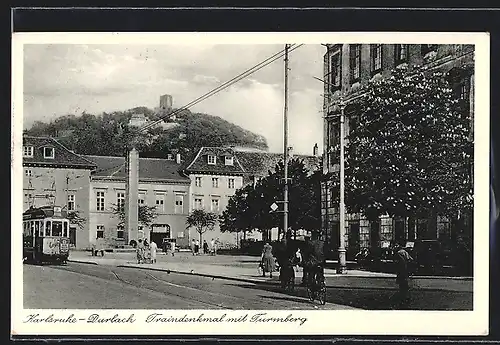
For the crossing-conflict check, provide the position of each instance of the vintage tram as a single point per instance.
(45, 235)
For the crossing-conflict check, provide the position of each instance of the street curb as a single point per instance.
(331, 276)
(84, 262)
(202, 275)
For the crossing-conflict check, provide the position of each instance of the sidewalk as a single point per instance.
(245, 269)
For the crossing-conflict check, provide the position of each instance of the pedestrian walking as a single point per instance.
(216, 246)
(212, 247)
(147, 252)
(193, 246)
(205, 247)
(172, 246)
(403, 260)
(267, 259)
(197, 247)
(140, 251)
(153, 248)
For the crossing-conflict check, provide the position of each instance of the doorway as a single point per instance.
(72, 236)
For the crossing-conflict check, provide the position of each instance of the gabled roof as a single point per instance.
(200, 162)
(150, 169)
(259, 163)
(62, 155)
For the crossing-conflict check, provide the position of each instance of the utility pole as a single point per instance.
(342, 260)
(285, 149)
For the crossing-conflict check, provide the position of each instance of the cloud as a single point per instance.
(70, 78)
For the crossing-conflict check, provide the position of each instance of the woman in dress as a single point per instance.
(140, 252)
(153, 247)
(268, 264)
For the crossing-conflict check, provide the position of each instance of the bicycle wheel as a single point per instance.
(310, 294)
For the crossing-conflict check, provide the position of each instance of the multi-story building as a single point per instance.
(160, 185)
(54, 175)
(347, 69)
(217, 172)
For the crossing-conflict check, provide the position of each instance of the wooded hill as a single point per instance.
(102, 134)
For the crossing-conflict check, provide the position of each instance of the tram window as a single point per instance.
(37, 226)
(48, 228)
(57, 228)
(65, 233)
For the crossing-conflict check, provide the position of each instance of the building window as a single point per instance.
(141, 199)
(159, 203)
(100, 201)
(27, 198)
(229, 161)
(215, 205)
(48, 152)
(197, 181)
(28, 172)
(355, 62)
(376, 57)
(120, 232)
(120, 201)
(427, 48)
(215, 182)
(27, 151)
(179, 203)
(230, 183)
(464, 90)
(401, 53)
(198, 203)
(353, 124)
(211, 159)
(333, 133)
(386, 229)
(71, 202)
(335, 71)
(100, 231)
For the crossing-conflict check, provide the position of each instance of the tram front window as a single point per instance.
(48, 226)
(57, 228)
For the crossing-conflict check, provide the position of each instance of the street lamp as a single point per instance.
(342, 260)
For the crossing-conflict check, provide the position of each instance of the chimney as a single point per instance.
(315, 150)
(178, 158)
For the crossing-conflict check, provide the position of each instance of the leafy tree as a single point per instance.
(410, 153)
(146, 214)
(249, 208)
(75, 218)
(202, 221)
(237, 216)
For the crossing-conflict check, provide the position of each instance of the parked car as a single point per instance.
(428, 256)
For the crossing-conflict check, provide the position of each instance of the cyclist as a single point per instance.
(314, 262)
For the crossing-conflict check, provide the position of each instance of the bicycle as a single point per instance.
(316, 287)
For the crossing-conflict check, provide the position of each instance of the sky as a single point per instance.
(62, 79)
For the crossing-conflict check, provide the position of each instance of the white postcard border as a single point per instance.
(318, 322)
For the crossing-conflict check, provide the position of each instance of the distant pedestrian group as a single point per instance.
(210, 249)
(146, 252)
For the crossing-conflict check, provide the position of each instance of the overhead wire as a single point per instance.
(223, 86)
